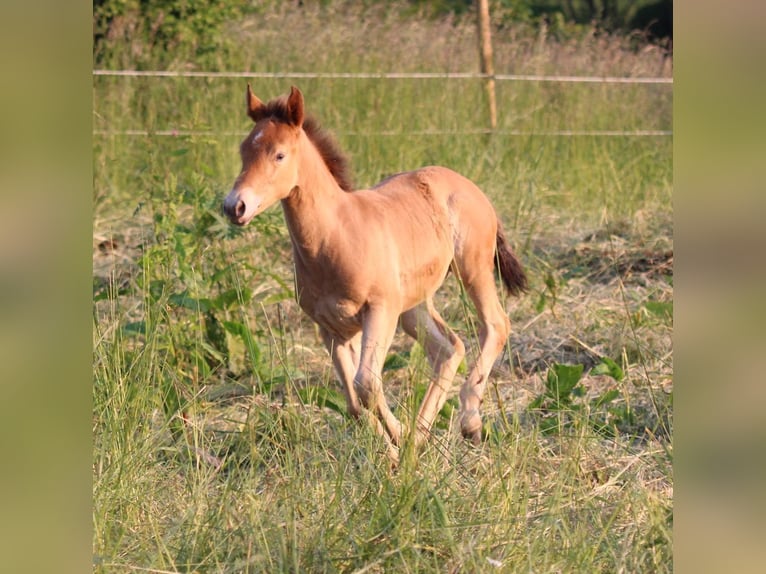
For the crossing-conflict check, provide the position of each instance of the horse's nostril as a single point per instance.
(239, 210)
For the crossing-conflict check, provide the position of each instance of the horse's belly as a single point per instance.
(340, 316)
(420, 282)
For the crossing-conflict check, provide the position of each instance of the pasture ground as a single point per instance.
(219, 439)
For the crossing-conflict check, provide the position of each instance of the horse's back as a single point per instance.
(442, 195)
(437, 185)
(435, 177)
(472, 218)
(466, 205)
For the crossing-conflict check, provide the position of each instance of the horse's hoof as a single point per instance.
(470, 426)
(393, 456)
(421, 437)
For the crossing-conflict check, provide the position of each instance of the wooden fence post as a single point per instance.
(485, 53)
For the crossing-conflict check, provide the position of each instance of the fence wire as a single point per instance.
(385, 76)
(392, 76)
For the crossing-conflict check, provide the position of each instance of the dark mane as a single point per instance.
(335, 160)
(328, 148)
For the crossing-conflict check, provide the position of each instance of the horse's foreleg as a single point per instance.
(345, 358)
(378, 332)
(444, 351)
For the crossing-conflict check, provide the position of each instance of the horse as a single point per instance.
(369, 260)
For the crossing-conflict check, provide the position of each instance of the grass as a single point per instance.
(218, 441)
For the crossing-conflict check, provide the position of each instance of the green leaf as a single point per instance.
(562, 379)
(135, 328)
(216, 335)
(606, 397)
(180, 248)
(550, 425)
(218, 355)
(232, 296)
(277, 297)
(241, 330)
(200, 364)
(438, 511)
(395, 361)
(183, 300)
(603, 428)
(609, 367)
(323, 397)
(156, 288)
(537, 403)
(540, 305)
(550, 282)
(662, 309)
(172, 402)
(445, 414)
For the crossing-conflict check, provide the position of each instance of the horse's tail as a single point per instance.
(508, 265)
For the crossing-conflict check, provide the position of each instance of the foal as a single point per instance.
(368, 260)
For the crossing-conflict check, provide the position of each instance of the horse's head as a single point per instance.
(269, 156)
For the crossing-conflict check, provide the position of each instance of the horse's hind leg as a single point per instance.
(444, 351)
(494, 327)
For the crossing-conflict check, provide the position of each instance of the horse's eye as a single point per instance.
(280, 156)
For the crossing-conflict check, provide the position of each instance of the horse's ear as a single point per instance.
(295, 107)
(253, 104)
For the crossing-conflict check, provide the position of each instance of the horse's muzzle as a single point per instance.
(235, 208)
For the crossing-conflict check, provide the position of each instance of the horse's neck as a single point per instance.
(310, 209)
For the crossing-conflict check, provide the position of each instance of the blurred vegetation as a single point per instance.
(201, 25)
(652, 18)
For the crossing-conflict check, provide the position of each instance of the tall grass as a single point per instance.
(220, 443)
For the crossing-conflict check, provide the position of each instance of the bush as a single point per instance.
(196, 25)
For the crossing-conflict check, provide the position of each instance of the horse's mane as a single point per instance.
(335, 160)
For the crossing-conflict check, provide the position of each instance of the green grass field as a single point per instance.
(220, 439)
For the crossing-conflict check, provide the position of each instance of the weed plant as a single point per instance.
(221, 442)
